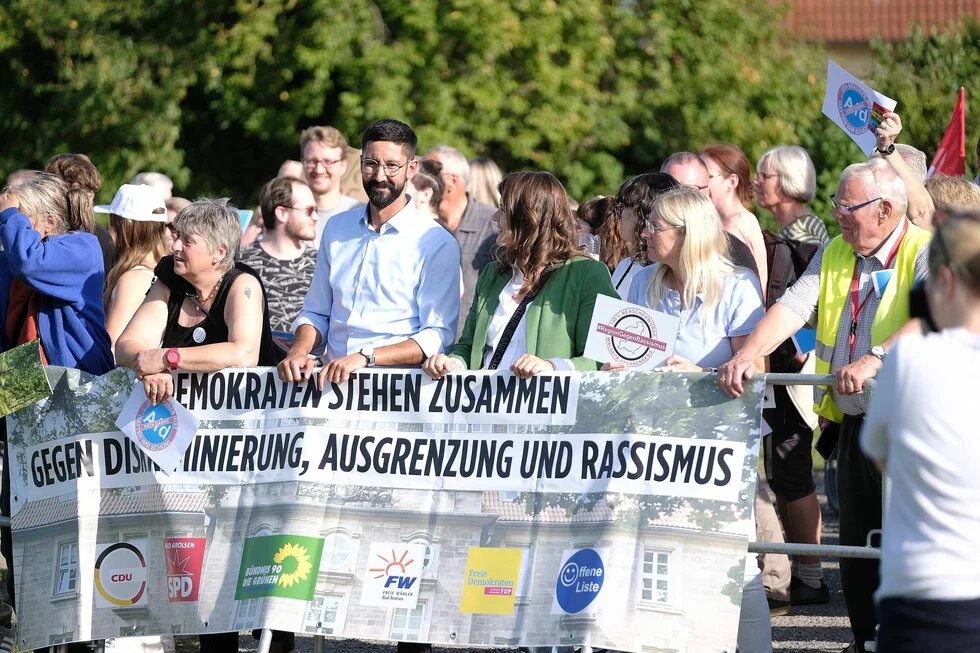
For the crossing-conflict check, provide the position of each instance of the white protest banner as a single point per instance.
(162, 430)
(379, 510)
(854, 106)
(633, 336)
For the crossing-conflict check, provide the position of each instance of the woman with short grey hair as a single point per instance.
(201, 312)
(785, 181)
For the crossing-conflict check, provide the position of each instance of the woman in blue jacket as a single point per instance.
(50, 279)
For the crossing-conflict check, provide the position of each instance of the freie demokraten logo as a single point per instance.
(156, 425)
(120, 574)
(854, 107)
(396, 570)
(580, 580)
(631, 337)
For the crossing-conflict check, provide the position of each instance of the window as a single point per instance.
(527, 572)
(132, 631)
(431, 560)
(406, 625)
(656, 577)
(338, 550)
(66, 578)
(323, 614)
(246, 614)
(63, 638)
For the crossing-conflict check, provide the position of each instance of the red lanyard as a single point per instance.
(856, 307)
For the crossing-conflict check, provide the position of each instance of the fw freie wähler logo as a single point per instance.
(279, 565)
(393, 575)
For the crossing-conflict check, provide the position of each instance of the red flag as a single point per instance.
(950, 158)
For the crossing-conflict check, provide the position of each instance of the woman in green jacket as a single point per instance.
(533, 305)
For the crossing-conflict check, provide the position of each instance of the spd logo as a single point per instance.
(156, 425)
(185, 559)
(120, 576)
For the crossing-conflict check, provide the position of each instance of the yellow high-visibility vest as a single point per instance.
(836, 271)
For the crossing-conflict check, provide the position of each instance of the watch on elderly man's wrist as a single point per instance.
(890, 149)
(878, 352)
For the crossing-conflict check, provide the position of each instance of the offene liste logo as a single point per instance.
(580, 580)
(120, 574)
(156, 425)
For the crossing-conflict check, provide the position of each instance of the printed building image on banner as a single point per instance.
(185, 561)
(279, 565)
(490, 580)
(620, 522)
(394, 575)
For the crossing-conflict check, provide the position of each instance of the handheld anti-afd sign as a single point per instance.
(161, 430)
(580, 580)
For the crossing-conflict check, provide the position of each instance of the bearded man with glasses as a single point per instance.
(385, 290)
(855, 292)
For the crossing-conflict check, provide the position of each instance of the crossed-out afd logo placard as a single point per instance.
(393, 575)
(580, 580)
(120, 575)
(279, 565)
(490, 580)
(185, 559)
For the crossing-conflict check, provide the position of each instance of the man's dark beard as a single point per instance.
(377, 198)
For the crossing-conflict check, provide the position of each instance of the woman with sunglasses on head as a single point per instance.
(718, 304)
(533, 306)
(921, 428)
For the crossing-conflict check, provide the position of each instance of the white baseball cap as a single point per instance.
(136, 202)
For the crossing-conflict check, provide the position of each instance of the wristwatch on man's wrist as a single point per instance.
(886, 150)
(878, 352)
(368, 353)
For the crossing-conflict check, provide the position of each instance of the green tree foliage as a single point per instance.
(924, 74)
(214, 94)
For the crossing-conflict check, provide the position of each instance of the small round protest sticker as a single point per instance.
(631, 337)
(854, 107)
(156, 425)
(579, 580)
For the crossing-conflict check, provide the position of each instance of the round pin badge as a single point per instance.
(199, 335)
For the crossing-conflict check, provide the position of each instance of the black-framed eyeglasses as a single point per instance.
(370, 166)
(311, 164)
(851, 210)
(310, 211)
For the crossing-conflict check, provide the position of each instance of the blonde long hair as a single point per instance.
(704, 261)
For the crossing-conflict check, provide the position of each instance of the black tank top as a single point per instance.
(213, 325)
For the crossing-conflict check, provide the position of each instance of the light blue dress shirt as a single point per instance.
(373, 288)
(707, 342)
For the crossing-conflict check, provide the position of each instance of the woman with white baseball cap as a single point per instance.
(138, 225)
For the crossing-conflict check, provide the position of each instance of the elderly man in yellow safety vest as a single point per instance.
(855, 292)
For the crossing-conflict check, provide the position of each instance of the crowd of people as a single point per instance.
(451, 265)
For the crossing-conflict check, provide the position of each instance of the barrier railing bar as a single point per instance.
(823, 550)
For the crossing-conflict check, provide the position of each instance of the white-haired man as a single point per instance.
(466, 219)
(856, 293)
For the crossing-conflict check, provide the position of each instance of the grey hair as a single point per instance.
(680, 159)
(453, 161)
(914, 158)
(216, 221)
(791, 163)
(43, 194)
(880, 177)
